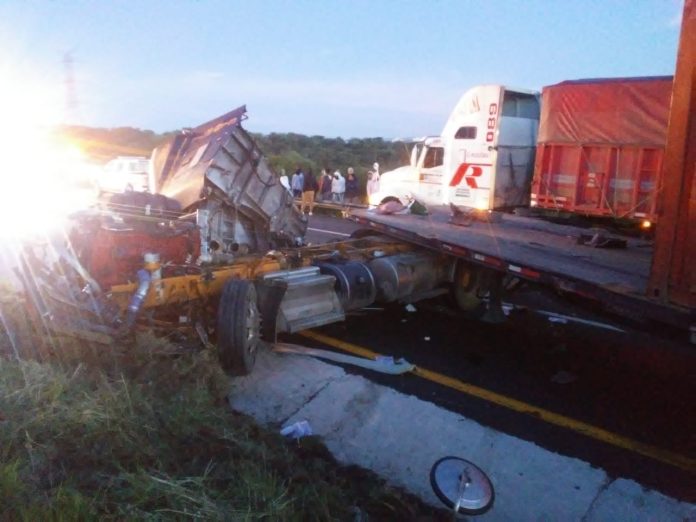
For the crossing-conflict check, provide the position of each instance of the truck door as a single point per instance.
(470, 136)
(430, 174)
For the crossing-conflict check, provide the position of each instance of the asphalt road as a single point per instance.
(637, 385)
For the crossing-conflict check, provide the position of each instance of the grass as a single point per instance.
(143, 432)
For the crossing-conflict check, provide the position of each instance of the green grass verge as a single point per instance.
(144, 433)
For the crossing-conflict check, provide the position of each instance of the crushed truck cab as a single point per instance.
(217, 252)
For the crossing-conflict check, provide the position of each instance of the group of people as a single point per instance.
(329, 187)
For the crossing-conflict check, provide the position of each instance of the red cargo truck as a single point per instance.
(601, 145)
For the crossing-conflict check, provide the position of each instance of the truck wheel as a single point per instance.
(467, 290)
(238, 327)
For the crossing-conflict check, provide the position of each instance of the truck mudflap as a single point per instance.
(218, 174)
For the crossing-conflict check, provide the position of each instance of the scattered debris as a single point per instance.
(297, 430)
(465, 216)
(380, 364)
(391, 207)
(599, 240)
(560, 318)
(564, 377)
(418, 208)
(554, 317)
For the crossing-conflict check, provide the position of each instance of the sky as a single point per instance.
(334, 68)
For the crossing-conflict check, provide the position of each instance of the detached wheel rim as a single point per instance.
(462, 486)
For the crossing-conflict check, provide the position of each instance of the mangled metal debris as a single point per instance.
(219, 176)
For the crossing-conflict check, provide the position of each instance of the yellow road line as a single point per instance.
(647, 450)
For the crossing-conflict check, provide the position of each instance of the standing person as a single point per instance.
(325, 189)
(338, 187)
(297, 182)
(372, 181)
(308, 190)
(352, 188)
(285, 181)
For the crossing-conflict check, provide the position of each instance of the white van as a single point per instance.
(125, 173)
(483, 159)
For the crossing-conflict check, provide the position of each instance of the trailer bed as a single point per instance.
(539, 251)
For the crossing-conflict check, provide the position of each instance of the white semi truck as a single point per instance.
(484, 157)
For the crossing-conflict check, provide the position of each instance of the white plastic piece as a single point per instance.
(382, 364)
(410, 308)
(297, 430)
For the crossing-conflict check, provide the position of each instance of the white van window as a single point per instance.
(465, 133)
(433, 157)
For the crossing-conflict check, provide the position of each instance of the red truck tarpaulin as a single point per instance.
(621, 111)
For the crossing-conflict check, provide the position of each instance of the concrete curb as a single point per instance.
(400, 437)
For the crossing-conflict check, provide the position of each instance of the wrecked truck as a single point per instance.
(215, 250)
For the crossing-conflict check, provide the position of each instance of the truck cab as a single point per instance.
(421, 179)
(484, 157)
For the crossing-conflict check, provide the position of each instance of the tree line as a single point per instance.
(289, 151)
(286, 151)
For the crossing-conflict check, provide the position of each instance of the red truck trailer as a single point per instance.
(673, 270)
(601, 146)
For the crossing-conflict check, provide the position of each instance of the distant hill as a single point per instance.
(283, 151)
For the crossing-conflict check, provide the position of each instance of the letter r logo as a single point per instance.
(468, 170)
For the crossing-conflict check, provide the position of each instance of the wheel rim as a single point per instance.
(253, 325)
(462, 486)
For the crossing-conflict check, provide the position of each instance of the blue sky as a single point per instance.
(336, 68)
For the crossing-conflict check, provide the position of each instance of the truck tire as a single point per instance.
(238, 327)
(467, 291)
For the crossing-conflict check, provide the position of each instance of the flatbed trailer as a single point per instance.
(563, 257)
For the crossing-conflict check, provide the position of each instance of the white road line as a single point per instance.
(328, 232)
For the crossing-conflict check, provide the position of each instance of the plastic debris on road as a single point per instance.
(382, 364)
(297, 430)
(410, 308)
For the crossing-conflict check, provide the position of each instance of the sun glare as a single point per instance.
(40, 173)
